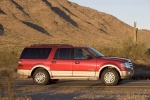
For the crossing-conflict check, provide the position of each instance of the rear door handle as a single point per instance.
(77, 62)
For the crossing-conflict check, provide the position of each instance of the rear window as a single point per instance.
(35, 53)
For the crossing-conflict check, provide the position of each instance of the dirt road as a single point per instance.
(89, 83)
(66, 90)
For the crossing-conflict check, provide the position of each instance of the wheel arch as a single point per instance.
(39, 66)
(107, 67)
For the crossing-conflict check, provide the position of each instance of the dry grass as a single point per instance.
(8, 86)
(8, 62)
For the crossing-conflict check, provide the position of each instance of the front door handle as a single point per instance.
(53, 62)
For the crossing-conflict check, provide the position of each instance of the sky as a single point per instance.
(128, 11)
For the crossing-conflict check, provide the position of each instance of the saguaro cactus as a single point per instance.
(135, 34)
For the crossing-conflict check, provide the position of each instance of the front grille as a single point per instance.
(130, 64)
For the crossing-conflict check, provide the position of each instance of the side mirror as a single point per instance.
(89, 57)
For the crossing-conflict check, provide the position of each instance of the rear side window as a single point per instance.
(35, 53)
(63, 53)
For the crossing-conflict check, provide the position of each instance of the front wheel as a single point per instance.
(110, 77)
(41, 77)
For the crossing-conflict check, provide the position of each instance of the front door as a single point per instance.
(83, 64)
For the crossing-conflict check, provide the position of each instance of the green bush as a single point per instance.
(127, 50)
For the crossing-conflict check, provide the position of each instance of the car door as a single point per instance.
(84, 65)
(61, 64)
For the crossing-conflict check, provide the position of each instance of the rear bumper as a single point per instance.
(126, 74)
(23, 73)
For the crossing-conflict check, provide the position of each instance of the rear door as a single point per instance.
(61, 64)
(84, 65)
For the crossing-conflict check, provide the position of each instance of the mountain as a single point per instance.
(29, 22)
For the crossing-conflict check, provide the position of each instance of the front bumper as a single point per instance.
(127, 74)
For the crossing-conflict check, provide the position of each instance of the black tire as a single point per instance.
(110, 77)
(41, 77)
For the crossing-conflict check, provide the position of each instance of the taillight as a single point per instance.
(20, 63)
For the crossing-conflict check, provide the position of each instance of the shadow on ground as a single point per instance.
(141, 72)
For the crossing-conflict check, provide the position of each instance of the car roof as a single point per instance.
(53, 45)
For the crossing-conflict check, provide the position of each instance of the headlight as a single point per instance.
(126, 65)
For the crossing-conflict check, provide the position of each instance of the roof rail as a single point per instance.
(51, 45)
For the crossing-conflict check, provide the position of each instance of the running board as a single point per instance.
(76, 78)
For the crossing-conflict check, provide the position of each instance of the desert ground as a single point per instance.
(78, 89)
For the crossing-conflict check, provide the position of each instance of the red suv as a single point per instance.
(47, 63)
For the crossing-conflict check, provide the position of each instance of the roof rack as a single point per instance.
(51, 45)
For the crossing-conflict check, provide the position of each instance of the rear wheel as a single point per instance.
(110, 77)
(41, 77)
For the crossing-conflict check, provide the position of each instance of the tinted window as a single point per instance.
(95, 52)
(35, 53)
(63, 53)
(80, 53)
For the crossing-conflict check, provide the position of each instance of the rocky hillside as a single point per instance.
(28, 22)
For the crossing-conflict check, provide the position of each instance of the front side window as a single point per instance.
(95, 52)
(63, 53)
(80, 53)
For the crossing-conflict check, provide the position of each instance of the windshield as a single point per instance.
(95, 52)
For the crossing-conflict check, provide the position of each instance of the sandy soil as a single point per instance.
(67, 93)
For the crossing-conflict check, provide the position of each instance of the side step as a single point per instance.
(76, 78)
